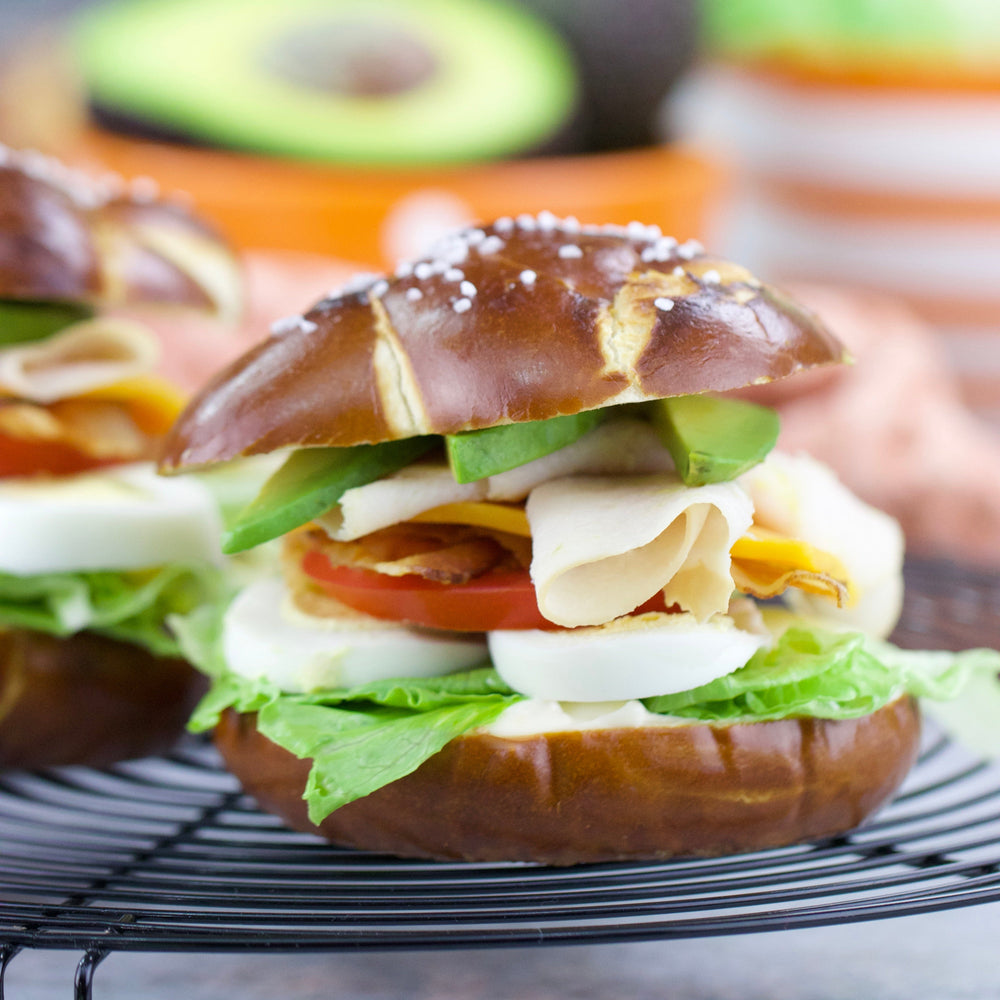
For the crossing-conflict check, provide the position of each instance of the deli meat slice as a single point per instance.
(83, 357)
(604, 545)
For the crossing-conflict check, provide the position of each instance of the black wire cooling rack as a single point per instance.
(166, 854)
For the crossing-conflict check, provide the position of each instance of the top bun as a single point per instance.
(68, 237)
(525, 319)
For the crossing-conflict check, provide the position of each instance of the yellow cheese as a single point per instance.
(765, 563)
(153, 402)
(498, 516)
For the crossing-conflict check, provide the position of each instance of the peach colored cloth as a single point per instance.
(277, 284)
(894, 427)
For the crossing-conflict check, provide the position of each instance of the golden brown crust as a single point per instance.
(606, 795)
(66, 237)
(87, 699)
(519, 321)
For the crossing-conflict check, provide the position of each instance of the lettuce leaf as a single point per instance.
(364, 737)
(973, 715)
(828, 675)
(130, 606)
(358, 749)
(359, 738)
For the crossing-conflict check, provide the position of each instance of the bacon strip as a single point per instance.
(94, 428)
(446, 553)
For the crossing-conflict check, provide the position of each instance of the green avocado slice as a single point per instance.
(477, 454)
(310, 482)
(21, 322)
(714, 439)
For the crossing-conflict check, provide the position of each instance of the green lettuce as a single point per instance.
(364, 737)
(828, 675)
(130, 606)
(359, 738)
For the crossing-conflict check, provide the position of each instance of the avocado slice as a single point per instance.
(477, 454)
(714, 439)
(398, 82)
(310, 482)
(21, 322)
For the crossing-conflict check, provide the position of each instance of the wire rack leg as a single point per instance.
(7, 952)
(85, 973)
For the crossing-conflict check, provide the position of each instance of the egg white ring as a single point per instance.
(125, 518)
(629, 658)
(265, 636)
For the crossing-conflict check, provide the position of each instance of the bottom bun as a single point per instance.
(606, 795)
(87, 699)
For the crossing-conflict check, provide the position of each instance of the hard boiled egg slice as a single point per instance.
(633, 657)
(266, 636)
(118, 519)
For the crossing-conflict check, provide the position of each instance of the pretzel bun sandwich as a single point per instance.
(95, 549)
(528, 540)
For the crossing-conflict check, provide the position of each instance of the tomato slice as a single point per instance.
(500, 599)
(19, 457)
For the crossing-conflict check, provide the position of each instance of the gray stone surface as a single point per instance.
(952, 955)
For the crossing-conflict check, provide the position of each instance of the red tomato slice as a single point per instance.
(19, 457)
(496, 600)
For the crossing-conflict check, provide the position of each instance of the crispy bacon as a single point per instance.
(96, 428)
(446, 553)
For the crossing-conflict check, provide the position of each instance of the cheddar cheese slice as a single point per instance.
(766, 563)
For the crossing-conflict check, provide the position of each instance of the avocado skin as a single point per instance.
(714, 439)
(630, 53)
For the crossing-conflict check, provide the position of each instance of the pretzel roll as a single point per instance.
(606, 794)
(66, 237)
(522, 320)
(46, 247)
(87, 699)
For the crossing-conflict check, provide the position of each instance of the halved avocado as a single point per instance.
(347, 81)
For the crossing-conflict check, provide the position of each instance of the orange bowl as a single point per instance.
(356, 214)
(363, 215)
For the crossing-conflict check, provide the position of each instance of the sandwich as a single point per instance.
(96, 550)
(548, 591)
